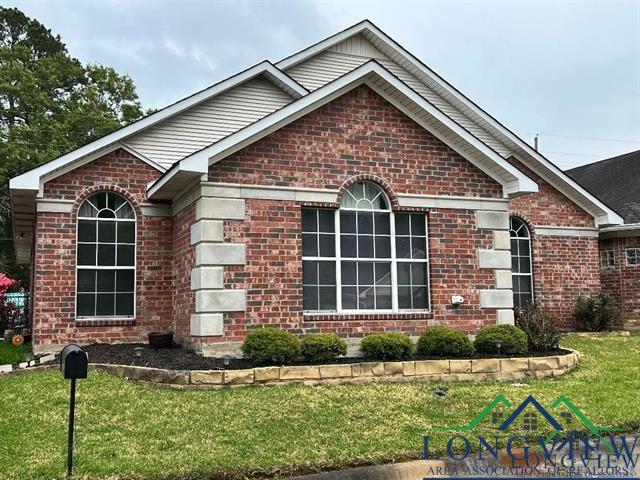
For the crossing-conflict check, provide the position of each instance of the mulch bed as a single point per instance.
(178, 358)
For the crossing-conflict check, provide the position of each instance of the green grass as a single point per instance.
(126, 430)
(10, 354)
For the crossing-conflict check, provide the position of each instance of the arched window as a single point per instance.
(106, 254)
(364, 256)
(521, 265)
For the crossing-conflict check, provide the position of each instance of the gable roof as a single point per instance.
(615, 181)
(175, 139)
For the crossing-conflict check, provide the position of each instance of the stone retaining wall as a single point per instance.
(501, 369)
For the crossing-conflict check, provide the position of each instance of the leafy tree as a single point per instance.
(49, 104)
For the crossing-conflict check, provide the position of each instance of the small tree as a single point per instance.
(596, 313)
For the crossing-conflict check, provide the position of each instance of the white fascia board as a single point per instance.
(512, 179)
(31, 180)
(602, 213)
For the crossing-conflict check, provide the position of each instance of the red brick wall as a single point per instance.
(55, 257)
(622, 282)
(355, 135)
(564, 268)
(183, 263)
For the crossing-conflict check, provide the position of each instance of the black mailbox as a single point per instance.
(73, 362)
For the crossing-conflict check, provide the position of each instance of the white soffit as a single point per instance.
(386, 84)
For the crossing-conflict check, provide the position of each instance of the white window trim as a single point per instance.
(108, 267)
(626, 255)
(530, 274)
(613, 259)
(393, 260)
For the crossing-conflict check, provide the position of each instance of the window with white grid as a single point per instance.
(364, 257)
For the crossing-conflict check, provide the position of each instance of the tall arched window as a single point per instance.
(521, 265)
(106, 254)
(364, 256)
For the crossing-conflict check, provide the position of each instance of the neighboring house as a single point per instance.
(616, 181)
(347, 188)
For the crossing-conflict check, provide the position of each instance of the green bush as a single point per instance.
(387, 346)
(596, 313)
(513, 340)
(542, 328)
(323, 347)
(445, 342)
(10, 354)
(271, 346)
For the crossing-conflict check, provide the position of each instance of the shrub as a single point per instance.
(271, 346)
(514, 340)
(542, 328)
(444, 342)
(11, 354)
(596, 313)
(323, 347)
(387, 346)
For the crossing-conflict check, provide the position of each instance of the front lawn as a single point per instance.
(126, 430)
(12, 354)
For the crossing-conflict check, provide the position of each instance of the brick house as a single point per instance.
(347, 188)
(615, 181)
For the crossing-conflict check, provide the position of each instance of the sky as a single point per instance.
(566, 70)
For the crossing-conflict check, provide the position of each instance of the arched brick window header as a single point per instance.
(386, 187)
(107, 188)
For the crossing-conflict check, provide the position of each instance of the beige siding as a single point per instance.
(340, 59)
(208, 122)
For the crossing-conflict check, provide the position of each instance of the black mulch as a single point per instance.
(178, 358)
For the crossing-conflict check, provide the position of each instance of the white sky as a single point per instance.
(563, 69)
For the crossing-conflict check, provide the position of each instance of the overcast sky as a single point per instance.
(560, 69)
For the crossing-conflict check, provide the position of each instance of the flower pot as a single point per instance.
(161, 340)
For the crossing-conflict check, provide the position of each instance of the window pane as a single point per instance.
(309, 220)
(106, 214)
(404, 297)
(403, 273)
(126, 232)
(348, 273)
(124, 304)
(524, 265)
(383, 273)
(124, 281)
(327, 273)
(365, 273)
(327, 245)
(403, 247)
(309, 272)
(106, 280)
(515, 266)
(106, 255)
(383, 298)
(111, 201)
(107, 232)
(349, 298)
(523, 247)
(348, 222)
(419, 297)
(366, 298)
(86, 280)
(126, 211)
(365, 222)
(419, 273)
(383, 247)
(310, 297)
(86, 254)
(382, 223)
(86, 231)
(100, 200)
(348, 246)
(524, 285)
(126, 255)
(309, 245)
(419, 247)
(105, 304)
(86, 305)
(417, 224)
(327, 298)
(365, 246)
(402, 224)
(87, 210)
(326, 221)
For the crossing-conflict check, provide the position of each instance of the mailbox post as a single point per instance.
(73, 365)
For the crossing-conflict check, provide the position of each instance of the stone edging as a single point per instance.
(501, 369)
(8, 368)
